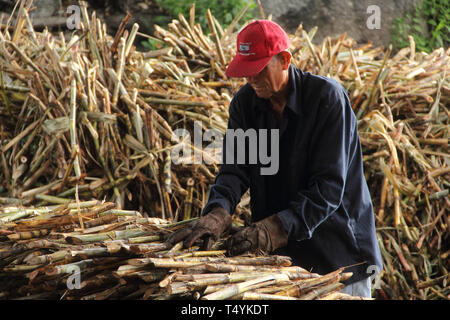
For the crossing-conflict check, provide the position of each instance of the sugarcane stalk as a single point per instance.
(188, 283)
(72, 191)
(212, 27)
(250, 295)
(270, 289)
(35, 164)
(214, 287)
(223, 267)
(167, 279)
(189, 262)
(126, 269)
(28, 61)
(90, 208)
(145, 239)
(298, 288)
(204, 41)
(52, 199)
(103, 219)
(131, 38)
(341, 296)
(28, 234)
(69, 268)
(72, 127)
(49, 258)
(90, 252)
(148, 247)
(321, 291)
(16, 216)
(20, 22)
(435, 196)
(238, 288)
(214, 279)
(440, 281)
(119, 72)
(203, 254)
(21, 268)
(119, 234)
(21, 135)
(27, 144)
(188, 200)
(38, 190)
(177, 247)
(150, 276)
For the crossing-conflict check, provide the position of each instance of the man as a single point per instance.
(316, 208)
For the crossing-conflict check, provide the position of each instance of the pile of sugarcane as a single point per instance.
(412, 205)
(91, 117)
(92, 250)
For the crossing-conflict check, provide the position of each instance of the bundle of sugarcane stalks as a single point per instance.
(92, 250)
(92, 118)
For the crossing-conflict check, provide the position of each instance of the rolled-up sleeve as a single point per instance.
(327, 167)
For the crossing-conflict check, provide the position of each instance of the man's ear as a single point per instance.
(286, 59)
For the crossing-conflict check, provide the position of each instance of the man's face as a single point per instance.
(270, 80)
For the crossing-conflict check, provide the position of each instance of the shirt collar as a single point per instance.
(292, 101)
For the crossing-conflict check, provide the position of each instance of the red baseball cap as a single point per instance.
(256, 44)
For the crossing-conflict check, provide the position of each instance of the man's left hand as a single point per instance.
(263, 236)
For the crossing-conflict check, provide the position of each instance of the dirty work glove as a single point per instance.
(209, 228)
(263, 236)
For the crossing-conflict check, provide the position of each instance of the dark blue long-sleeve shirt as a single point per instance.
(319, 191)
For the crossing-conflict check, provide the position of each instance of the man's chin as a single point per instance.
(262, 95)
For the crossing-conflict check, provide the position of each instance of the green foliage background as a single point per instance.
(437, 16)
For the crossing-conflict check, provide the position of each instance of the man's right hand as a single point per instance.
(209, 228)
